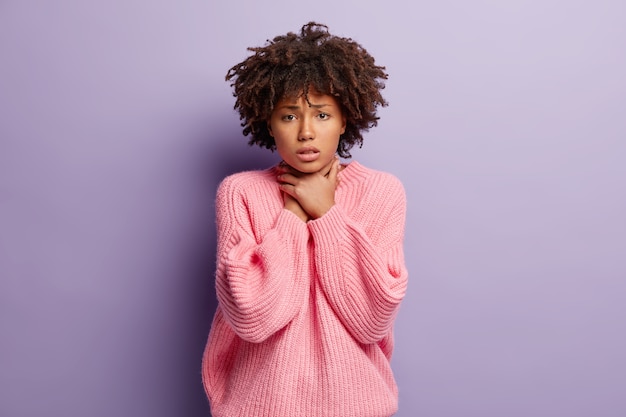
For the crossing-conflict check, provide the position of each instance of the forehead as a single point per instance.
(313, 97)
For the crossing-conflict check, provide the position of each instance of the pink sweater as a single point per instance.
(303, 327)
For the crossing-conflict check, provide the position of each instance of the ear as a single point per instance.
(269, 128)
(343, 126)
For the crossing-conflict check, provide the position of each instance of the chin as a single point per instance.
(305, 169)
(308, 167)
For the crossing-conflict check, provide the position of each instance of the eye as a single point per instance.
(289, 117)
(323, 116)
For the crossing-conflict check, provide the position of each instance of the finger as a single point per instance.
(326, 169)
(288, 189)
(334, 170)
(287, 179)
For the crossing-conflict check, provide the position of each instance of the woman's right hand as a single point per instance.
(292, 205)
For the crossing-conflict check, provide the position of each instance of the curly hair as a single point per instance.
(290, 65)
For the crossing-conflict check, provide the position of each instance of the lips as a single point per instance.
(308, 154)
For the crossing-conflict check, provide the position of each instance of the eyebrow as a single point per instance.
(296, 107)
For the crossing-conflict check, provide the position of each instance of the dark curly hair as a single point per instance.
(290, 65)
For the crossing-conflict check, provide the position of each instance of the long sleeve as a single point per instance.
(360, 263)
(305, 313)
(259, 284)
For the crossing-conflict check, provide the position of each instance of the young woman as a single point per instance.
(310, 264)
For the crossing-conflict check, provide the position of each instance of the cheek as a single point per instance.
(281, 146)
(282, 134)
(285, 155)
(279, 138)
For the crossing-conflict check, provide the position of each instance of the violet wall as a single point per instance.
(507, 125)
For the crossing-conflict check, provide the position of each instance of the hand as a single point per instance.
(292, 205)
(314, 192)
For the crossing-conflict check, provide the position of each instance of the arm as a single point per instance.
(363, 276)
(258, 284)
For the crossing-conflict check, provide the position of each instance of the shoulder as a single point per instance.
(373, 180)
(246, 181)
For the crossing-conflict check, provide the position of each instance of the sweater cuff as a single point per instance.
(331, 228)
(290, 225)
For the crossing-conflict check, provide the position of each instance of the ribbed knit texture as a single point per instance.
(303, 327)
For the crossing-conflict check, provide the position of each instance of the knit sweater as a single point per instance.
(303, 326)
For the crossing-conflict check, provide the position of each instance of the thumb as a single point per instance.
(334, 170)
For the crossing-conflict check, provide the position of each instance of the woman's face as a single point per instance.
(307, 133)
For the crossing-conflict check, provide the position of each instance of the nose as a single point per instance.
(306, 130)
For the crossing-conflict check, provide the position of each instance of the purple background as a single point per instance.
(507, 125)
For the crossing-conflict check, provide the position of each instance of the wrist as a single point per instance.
(319, 213)
(293, 206)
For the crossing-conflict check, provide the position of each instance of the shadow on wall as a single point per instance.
(225, 152)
